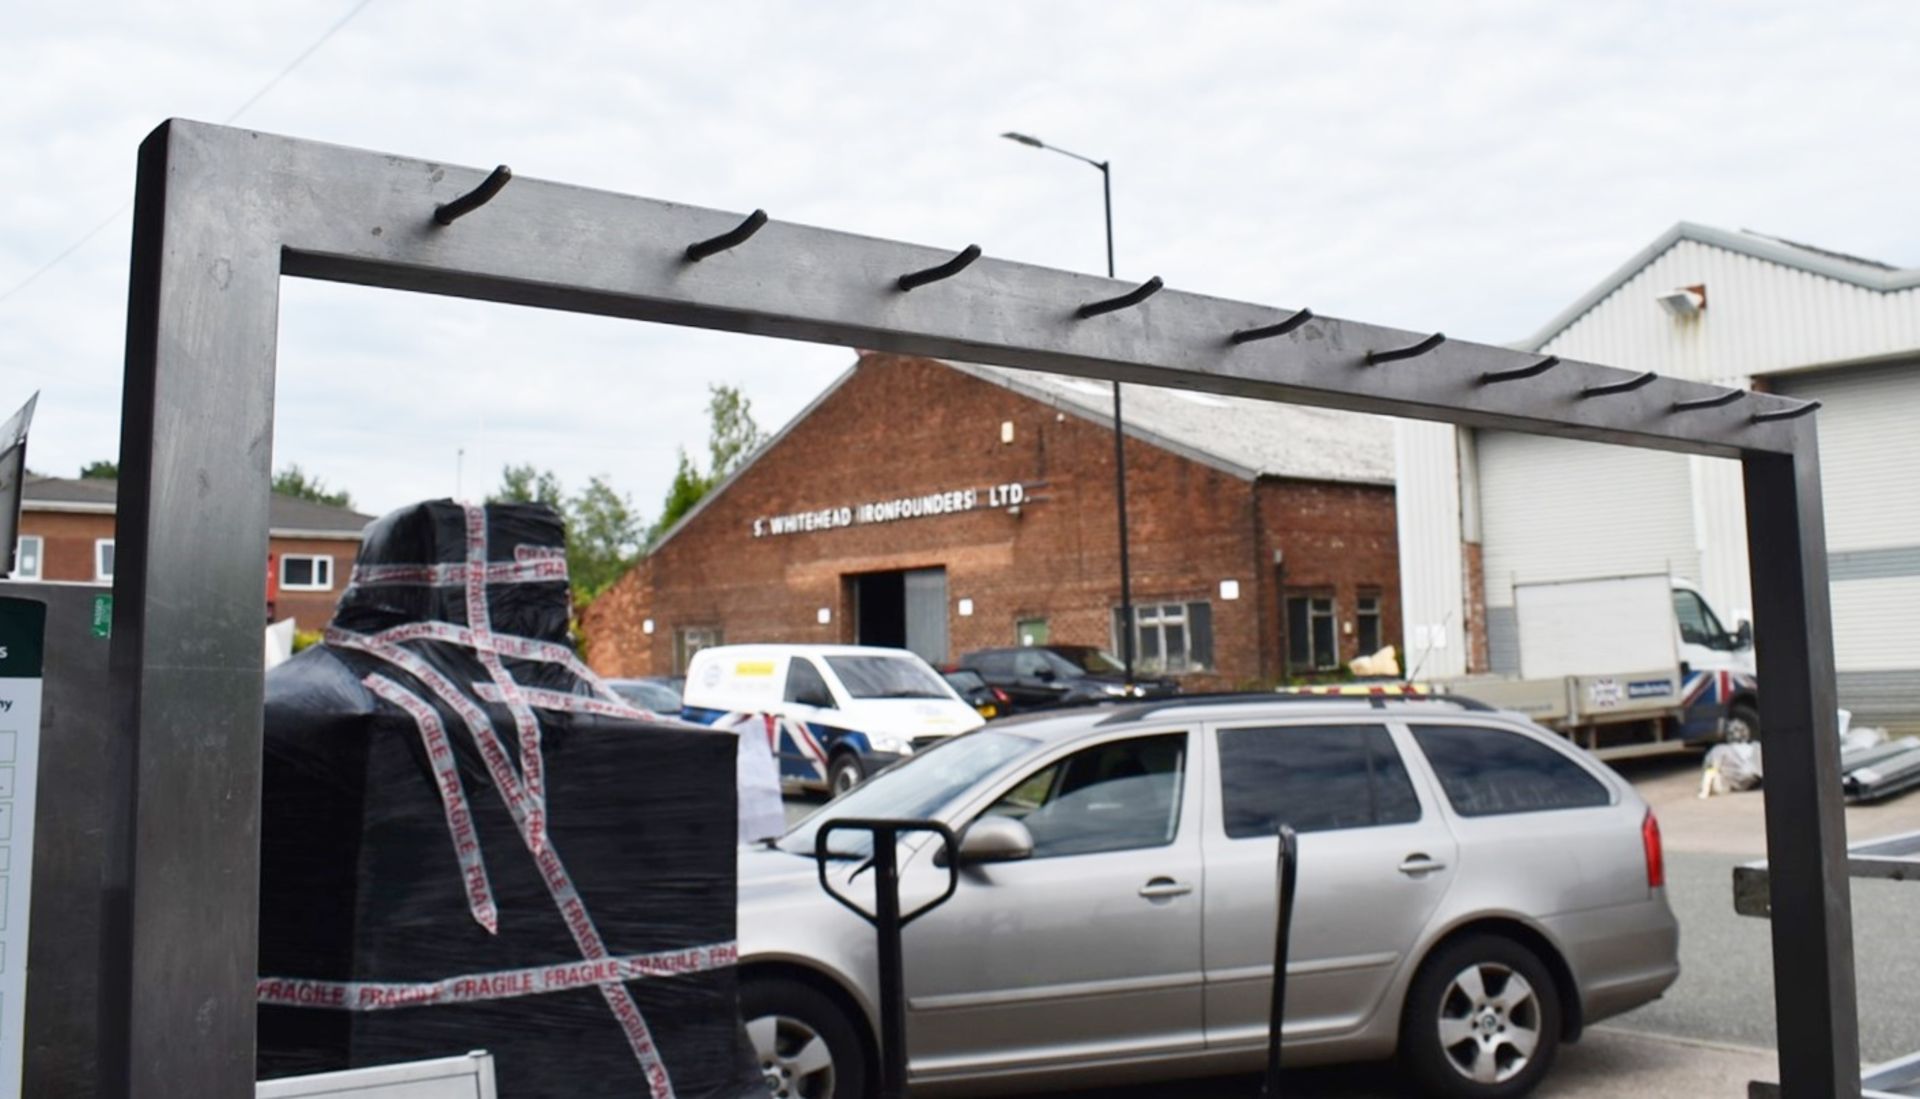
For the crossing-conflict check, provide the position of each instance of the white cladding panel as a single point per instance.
(1427, 506)
(1761, 317)
(1561, 509)
(1869, 453)
(1873, 624)
(1622, 624)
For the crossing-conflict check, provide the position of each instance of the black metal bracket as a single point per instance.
(1627, 386)
(888, 920)
(946, 270)
(732, 238)
(1375, 358)
(1283, 927)
(1714, 401)
(1267, 332)
(449, 212)
(1528, 371)
(1785, 413)
(1131, 298)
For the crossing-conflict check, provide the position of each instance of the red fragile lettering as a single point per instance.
(381, 997)
(302, 993)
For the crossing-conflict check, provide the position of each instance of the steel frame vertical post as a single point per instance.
(190, 542)
(1813, 977)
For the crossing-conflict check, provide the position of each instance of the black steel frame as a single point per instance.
(221, 215)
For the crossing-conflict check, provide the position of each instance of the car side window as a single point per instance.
(1029, 663)
(997, 665)
(1316, 778)
(1487, 772)
(806, 685)
(1117, 796)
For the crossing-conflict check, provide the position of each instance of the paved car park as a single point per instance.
(1711, 1033)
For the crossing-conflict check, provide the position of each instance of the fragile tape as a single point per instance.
(504, 984)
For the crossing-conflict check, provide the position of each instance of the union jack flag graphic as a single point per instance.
(1717, 685)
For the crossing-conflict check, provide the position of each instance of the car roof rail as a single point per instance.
(1377, 699)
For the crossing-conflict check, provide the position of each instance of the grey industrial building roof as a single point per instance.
(286, 514)
(1239, 435)
(1870, 274)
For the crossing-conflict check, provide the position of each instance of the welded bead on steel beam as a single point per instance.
(1531, 370)
(1269, 331)
(1127, 300)
(1628, 386)
(1785, 413)
(1714, 401)
(1375, 358)
(732, 238)
(449, 212)
(946, 270)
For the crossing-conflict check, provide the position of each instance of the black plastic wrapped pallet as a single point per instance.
(365, 901)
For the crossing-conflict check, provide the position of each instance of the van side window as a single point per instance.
(1316, 778)
(805, 684)
(1486, 772)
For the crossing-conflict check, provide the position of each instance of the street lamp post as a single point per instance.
(1127, 627)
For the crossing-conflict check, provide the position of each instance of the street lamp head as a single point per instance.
(1025, 139)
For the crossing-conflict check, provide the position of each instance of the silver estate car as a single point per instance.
(1472, 892)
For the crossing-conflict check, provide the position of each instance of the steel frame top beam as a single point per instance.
(222, 215)
(366, 218)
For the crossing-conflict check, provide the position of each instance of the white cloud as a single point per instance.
(1465, 167)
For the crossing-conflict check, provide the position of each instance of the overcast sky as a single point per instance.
(1456, 166)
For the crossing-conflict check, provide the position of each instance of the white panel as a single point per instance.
(1427, 506)
(1874, 624)
(1720, 527)
(1869, 453)
(1558, 509)
(1591, 626)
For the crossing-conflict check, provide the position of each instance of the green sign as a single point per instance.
(103, 616)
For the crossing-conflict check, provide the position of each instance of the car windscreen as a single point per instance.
(656, 697)
(1086, 658)
(915, 788)
(887, 677)
(964, 680)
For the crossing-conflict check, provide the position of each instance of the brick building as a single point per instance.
(948, 507)
(66, 535)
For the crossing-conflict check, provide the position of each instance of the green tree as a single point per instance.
(294, 481)
(523, 484)
(604, 532)
(732, 438)
(604, 537)
(101, 470)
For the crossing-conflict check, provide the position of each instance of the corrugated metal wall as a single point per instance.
(1427, 501)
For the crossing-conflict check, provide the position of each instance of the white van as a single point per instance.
(844, 711)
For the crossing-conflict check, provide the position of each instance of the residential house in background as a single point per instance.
(67, 536)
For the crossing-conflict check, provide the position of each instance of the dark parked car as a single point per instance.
(658, 693)
(1051, 675)
(990, 701)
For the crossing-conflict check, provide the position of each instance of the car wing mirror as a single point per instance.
(1043, 673)
(994, 839)
(1743, 634)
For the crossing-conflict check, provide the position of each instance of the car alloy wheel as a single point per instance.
(1743, 725)
(794, 1059)
(844, 775)
(1489, 1023)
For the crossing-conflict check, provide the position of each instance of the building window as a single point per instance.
(689, 640)
(103, 559)
(1031, 631)
(1367, 622)
(1312, 645)
(306, 572)
(26, 557)
(1170, 637)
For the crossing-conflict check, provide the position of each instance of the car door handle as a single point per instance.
(1415, 865)
(1165, 887)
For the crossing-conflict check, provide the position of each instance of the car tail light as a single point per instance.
(999, 695)
(1656, 859)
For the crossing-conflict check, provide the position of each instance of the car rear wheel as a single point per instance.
(804, 1044)
(1482, 1021)
(844, 773)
